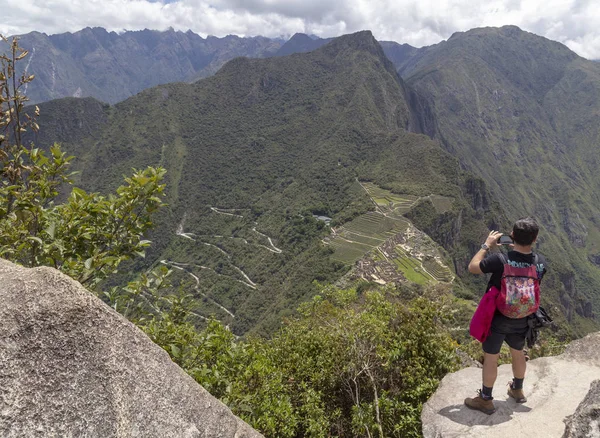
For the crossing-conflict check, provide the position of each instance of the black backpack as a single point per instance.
(536, 321)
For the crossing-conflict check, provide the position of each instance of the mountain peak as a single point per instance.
(362, 40)
(299, 36)
(301, 43)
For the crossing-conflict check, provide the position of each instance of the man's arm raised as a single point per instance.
(490, 243)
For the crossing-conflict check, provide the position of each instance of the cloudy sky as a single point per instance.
(575, 23)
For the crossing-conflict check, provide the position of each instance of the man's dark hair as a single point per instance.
(525, 230)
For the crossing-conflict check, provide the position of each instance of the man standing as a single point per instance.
(513, 331)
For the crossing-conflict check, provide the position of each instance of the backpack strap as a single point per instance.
(503, 258)
(535, 263)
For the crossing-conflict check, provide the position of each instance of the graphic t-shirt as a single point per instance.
(494, 264)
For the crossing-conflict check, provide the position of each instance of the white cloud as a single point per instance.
(575, 23)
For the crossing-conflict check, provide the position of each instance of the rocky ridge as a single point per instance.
(555, 387)
(71, 366)
(585, 422)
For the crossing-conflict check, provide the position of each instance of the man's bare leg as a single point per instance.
(483, 402)
(490, 369)
(519, 364)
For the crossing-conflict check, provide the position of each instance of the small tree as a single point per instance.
(88, 235)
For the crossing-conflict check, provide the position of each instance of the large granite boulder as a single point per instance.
(555, 387)
(72, 367)
(585, 422)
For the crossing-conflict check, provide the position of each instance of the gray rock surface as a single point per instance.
(72, 367)
(585, 422)
(555, 386)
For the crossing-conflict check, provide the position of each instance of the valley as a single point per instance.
(337, 163)
(290, 220)
(379, 246)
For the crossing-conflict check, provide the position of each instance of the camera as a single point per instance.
(505, 240)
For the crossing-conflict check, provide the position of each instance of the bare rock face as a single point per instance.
(554, 386)
(72, 367)
(585, 422)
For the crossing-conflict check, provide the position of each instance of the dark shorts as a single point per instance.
(513, 331)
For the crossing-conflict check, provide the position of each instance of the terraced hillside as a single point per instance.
(365, 233)
(383, 246)
(387, 202)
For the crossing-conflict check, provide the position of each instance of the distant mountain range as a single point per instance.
(112, 67)
(456, 138)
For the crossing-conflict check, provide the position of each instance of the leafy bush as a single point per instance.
(349, 365)
(88, 235)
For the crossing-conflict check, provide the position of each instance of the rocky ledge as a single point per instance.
(72, 367)
(560, 390)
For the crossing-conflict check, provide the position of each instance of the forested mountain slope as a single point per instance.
(523, 112)
(254, 152)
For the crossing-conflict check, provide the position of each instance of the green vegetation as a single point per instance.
(87, 235)
(241, 241)
(349, 365)
(284, 138)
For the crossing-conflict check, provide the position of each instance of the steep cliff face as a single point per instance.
(521, 113)
(71, 366)
(555, 387)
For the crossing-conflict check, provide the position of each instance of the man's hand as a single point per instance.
(492, 239)
(492, 242)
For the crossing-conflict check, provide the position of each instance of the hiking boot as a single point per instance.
(517, 394)
(480, 404)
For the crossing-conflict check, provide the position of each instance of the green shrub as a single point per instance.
(350, 365)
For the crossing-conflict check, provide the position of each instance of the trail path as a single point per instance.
(182, 267)
(273, 247)
(180, 232)
(220, 211)
(227, 212)
(145, 295)
(199, 239)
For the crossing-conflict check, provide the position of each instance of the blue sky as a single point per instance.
(575, 23)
